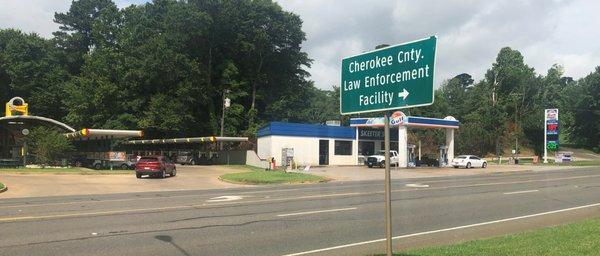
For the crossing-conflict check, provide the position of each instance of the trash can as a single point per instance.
(516, 160)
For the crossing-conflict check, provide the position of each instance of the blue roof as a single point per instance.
(307, 130)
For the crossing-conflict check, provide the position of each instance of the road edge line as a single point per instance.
(445, 229)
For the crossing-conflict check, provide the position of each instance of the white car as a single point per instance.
(468, 161)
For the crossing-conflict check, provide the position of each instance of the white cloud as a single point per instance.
(37, 16)
(31, 16)
(470, 33)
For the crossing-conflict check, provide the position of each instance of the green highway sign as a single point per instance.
(398, 76)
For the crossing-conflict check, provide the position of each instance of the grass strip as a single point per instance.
(579, 238)
(255, 175)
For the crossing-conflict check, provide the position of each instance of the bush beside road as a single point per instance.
(2, 187)
(254, 175)
(580, 238)
(73, 170)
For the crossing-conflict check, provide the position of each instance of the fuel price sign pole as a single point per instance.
(550, 131)
(394, 77)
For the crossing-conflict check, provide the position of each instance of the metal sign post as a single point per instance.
(388, 187)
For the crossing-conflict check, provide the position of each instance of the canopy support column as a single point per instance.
(450, 144)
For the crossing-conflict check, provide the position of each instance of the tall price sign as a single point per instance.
(550, 131)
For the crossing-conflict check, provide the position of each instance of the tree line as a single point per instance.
(165, 67)
(505, 110)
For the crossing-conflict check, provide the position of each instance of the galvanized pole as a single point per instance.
(25, 149)
(222, 121)
(111, 152)
(388, 187)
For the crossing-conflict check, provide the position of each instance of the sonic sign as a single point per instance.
(16, 107)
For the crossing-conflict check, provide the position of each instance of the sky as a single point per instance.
(470, 32)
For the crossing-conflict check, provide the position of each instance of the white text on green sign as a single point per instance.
(394, 77)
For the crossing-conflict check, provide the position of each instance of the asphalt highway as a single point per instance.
(318, 219)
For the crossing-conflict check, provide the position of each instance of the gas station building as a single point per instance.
(312, 144)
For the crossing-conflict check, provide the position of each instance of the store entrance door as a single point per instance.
(323, 152)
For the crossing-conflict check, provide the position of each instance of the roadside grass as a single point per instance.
(255, 175)
(574, 163)
(579, 238)
(70, 170)
(578, 163)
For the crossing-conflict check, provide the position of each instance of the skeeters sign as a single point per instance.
(394, 77)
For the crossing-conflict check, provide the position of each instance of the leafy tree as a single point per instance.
(164, 66)
(48, 145)
(88, 24)
(586, 110)
(28, 68)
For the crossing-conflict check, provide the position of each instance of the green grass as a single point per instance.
(579, 163)
(255, 175)
(71, 170)
(551, 163)
(580, 238)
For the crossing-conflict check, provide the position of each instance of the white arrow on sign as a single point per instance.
(223, 199)
(403, 94)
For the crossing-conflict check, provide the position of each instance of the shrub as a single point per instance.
(48, 145)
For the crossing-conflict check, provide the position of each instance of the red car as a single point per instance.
(155, 166)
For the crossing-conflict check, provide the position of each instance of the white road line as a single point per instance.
(417, 185)
(520, 192)
(180, 207)
(444, 230)
(223, 199)
(312, 212)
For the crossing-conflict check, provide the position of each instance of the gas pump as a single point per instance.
(410, 150)
(443, 155)
(287, 157)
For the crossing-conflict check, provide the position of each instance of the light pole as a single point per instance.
(226, 104)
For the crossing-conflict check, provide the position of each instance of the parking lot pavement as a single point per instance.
(188, 177)
(361, 173)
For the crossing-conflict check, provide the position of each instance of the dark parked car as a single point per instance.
(187, 157)
(428, 161)
(155, 166)
(80, 161)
